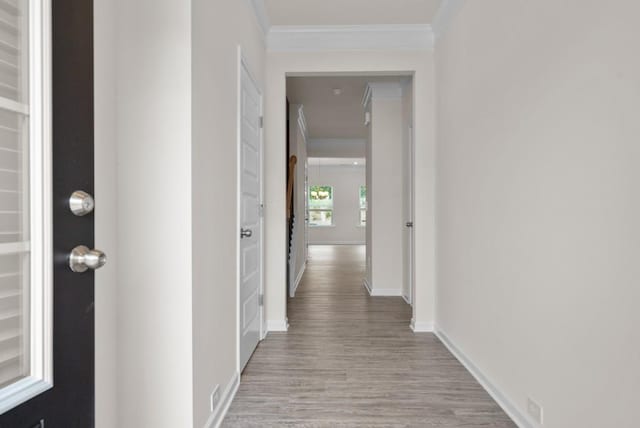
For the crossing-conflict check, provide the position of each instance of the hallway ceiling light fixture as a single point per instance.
(355, 163)
(337, 91)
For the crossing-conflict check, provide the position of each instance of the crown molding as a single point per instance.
(447, 11)
(290, 38)
(262, 16)
(355, 37)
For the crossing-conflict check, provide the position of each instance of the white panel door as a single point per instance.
(250, 216)
(408, 237)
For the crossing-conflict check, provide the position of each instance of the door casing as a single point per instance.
(334, 64)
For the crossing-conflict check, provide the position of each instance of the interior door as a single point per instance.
(408, 238)
(250, 216)
(46, 153)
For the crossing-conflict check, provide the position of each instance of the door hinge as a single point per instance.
(261, 299)
(261, 121)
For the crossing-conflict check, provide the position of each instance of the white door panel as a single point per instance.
(408, 238)
(250, 269)
(250, 260)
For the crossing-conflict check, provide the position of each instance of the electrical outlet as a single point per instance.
(215, 397)
(535, 411)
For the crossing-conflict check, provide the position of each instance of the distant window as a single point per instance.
(363, 205)
(320, 206)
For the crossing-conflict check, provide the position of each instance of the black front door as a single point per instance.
(70, 402)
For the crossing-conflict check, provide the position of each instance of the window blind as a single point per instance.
(14, 191)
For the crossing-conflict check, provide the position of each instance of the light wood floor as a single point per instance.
(350, 360)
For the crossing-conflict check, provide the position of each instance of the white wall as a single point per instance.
(385, 265)
(384, 62)
(538, 231)
(153, 105)
(346, 181)
(106, 288)
(166, 98)
(217, 33)
(336, 147)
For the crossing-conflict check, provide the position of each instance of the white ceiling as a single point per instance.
(328, 115)
(351, 12)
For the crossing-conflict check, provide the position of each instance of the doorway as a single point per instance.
(352, 137)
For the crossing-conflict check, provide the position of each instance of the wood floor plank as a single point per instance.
(350, 360)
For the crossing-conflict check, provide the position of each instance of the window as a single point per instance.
(320, 206)
(25, 216)
(363, 205)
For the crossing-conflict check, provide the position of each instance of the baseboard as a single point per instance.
(388, 292)
(367, 286)
(277, 325)
(507, 405)
(381, 292)
(216, 418)
(421, 326)
(338, 243)
(406, 299)
(298, 279)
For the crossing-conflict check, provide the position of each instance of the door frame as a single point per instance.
(337, 67)
(243, 64)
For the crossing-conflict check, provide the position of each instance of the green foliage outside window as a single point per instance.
(320, 205)
(363, 205)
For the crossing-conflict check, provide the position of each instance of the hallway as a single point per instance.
(351, 360)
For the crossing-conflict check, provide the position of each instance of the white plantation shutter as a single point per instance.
(14, 192)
